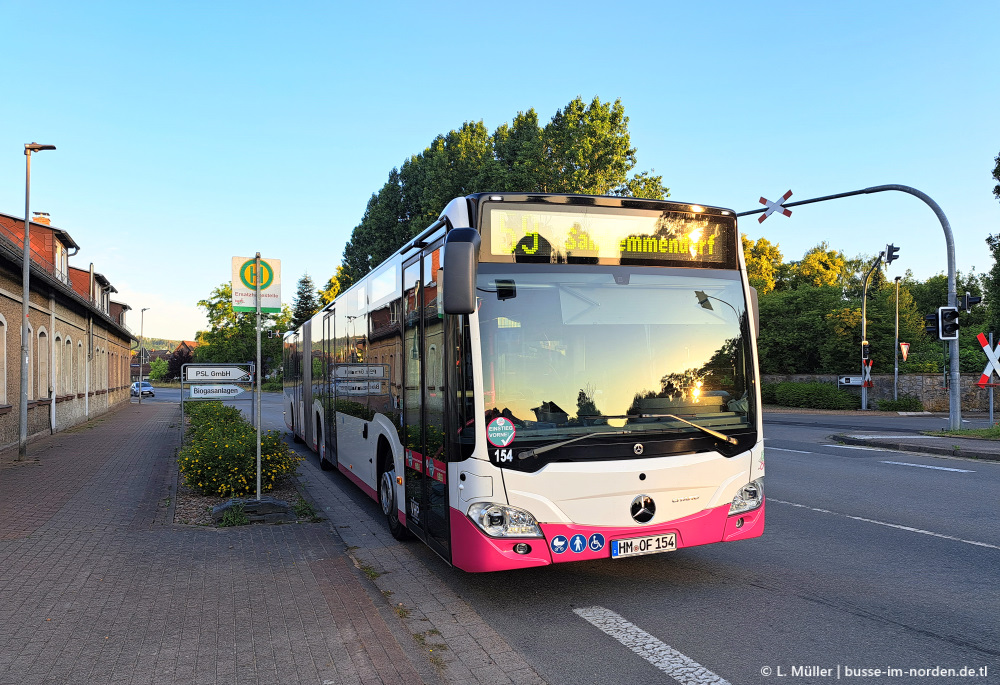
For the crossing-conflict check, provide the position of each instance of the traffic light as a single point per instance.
(933, 325)
(948, 326)
(966, 301)
(866, 350)
(891, 253)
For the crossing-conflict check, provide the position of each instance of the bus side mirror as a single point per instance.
(461, 261)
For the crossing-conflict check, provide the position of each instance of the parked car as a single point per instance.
(147, 390)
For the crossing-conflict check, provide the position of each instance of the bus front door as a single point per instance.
(425, 463)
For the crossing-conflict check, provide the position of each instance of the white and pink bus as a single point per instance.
(539, 379)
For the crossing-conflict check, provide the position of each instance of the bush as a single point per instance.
(221, 455)
(904, 403)
(767, 393)
(809, 396)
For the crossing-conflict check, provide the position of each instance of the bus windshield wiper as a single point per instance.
(714, 434)
(545, 448)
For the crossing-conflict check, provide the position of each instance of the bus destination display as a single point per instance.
(598, 236)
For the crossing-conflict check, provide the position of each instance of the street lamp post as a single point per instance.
(142, 320)
(22, 437)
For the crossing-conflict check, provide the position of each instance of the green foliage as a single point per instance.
(763, 263)
(234, 516)
(904, 403)
(808, 395)
(585, 148)
(334, 286)
(233, 335)
(157, 369)
(220, 457)
(306, 302)
(996, 175)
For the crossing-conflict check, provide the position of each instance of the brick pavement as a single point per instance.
(97, 585)
(465, 648)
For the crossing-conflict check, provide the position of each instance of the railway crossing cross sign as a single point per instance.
(993, 364)
(773, 207)
(866, 373)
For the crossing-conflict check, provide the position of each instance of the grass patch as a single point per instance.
(401, 611)
(304, 508)
(234, 516)
(370, 571)
(981, 433)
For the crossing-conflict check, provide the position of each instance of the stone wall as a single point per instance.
(930, 388)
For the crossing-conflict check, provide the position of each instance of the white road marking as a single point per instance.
(859, 447)
(925, 466)
(785, 449)
(887, 437)
(909, 529)
(681, 668)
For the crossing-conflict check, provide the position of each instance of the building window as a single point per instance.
(67, 368)
(3, 360)
(81, 367)
(61, 262)
(57, 365)
(43, 365)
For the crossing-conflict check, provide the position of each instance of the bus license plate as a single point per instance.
(651, 544)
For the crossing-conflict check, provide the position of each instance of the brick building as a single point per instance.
(78, 352)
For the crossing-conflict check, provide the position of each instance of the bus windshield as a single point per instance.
(571, 351)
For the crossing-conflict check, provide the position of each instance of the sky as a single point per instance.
(188, 133)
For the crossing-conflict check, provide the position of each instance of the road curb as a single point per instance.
(922, 448)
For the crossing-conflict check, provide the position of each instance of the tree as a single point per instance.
(820, 266)
(334, 286)
(996, 175)
(232, 338)
(763, 262)
(583, 149)
(305, 303)
(176, 363)
(157, 369)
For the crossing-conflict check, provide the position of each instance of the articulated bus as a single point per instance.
(539, 379)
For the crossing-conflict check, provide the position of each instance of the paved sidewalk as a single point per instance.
(970, 448)
(97, 585)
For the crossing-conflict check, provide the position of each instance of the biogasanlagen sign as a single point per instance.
(214, 392)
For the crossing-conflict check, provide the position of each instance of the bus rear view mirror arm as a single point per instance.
(461, 262)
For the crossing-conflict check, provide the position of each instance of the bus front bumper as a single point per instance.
(476, 552)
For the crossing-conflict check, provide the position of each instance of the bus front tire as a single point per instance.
(387, 498)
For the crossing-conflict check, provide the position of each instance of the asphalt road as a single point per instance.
(865, 564)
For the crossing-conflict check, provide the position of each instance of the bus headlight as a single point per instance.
(503, 521)
(750, 497)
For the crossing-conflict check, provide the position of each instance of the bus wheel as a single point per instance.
(325, 464)
(387, 498)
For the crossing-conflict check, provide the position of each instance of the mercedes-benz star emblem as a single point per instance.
(637, 448)
(643, 509)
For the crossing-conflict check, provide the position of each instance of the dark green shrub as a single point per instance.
(814, 396)
(904, 403)
(767, 393)
(221, 455)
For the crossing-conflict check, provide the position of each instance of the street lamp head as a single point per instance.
(143, 309)
(36, 147)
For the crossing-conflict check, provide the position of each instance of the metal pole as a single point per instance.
(895, 378)
(257, 278)
(22, 436)
(954, 397)
(142, 321)
(991, 387)
(864, 329)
